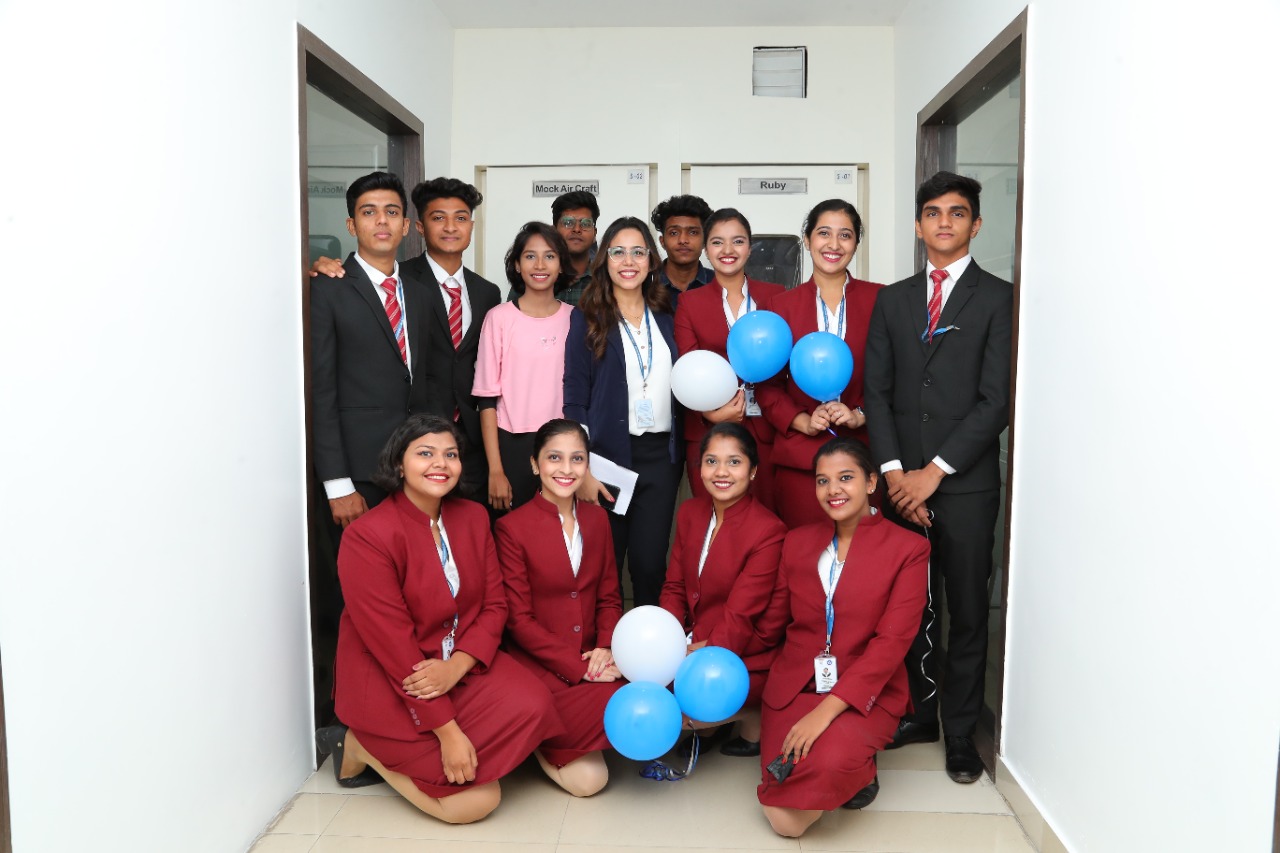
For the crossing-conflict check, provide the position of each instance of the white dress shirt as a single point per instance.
(659, 376)
(459, 282)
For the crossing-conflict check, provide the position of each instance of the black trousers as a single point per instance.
(643, 535)
(516, 449)
(961, 541)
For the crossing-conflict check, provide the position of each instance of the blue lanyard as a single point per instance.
(832, 580)
(399, 329)
(644, 371)
(826, 321)
(443, 551)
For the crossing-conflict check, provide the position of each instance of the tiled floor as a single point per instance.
(919, 810)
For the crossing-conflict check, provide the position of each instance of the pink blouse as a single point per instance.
(521, 362)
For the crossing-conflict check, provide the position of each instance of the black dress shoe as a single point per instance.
(740, 747)
(330, 741)
(909, 732)
(865, 797)
(963, 763)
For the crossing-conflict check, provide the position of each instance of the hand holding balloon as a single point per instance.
(703, 381)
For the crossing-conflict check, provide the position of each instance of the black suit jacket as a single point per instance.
(949, 398)
(450, 373)
(360, 389)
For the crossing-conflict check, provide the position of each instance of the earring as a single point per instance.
(400, 473)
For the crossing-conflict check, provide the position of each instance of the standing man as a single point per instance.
(457, 300)
(575, 216)
(366, 349)
(937, 399)
(678, 221)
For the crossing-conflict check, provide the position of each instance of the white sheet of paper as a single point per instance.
(612, 474)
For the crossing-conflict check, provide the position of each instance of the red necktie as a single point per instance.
(935, 301)
(455, 312)
(393, 317)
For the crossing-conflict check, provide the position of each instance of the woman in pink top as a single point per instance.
(519, 382)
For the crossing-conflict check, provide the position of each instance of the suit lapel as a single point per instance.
(960, 294)
(364, 287)
(472, 336)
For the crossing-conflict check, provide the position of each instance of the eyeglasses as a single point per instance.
(617, 253)
(586, 223)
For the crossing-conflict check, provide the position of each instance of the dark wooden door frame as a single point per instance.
(990, 71)
(322, 67)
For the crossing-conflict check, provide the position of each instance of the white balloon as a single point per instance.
(649, 645)
(703, 381)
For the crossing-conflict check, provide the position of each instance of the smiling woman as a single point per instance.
(617, 383)
(433, 707)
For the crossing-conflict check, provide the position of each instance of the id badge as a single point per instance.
(446, 647)
(753, 408)
(824, 673)
(644, 414)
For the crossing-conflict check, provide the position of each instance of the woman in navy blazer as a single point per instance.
(724, 565)
(877, 572)
(563, 603)
(831, 301)
(433, 706)
(617, 383)
(703, 319)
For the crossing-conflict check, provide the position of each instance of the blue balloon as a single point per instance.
(642, 720)
(822, 365)
(758, 345)
(711, 684)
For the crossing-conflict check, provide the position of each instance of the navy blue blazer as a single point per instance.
(595, 389)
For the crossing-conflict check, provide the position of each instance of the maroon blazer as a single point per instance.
(878, 604)
(552, 616)
(737, 580)
(781, 399)
(399, 610)
(700, 324)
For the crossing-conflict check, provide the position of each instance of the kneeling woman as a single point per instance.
(849, 598)
(724, 565)
(432, 705)
(562, 591)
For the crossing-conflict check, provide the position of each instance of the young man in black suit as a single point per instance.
(367, 355)
(457, 300)
(937, 399)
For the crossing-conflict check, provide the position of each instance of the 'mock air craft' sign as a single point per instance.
(551, 189)
(773, 186)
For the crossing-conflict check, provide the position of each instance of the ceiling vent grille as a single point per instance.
(779, 72)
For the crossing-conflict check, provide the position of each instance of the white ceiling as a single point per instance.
(526, 14)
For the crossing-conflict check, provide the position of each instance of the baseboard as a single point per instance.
(1042, 836)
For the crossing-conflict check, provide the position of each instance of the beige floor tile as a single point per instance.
(910, 832)
(714, 809)
(308, 814)
(917, 756)
(531, 812)
(414, 845)
(671, 844)
(284, 844)
(933, 791)
(322, 782)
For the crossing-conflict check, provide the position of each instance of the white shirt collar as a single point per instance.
(376, 275)
(440, 273)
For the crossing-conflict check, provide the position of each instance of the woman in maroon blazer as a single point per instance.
(562, 592)
(724, 565)
(433, 706)
(831, 301)
(849, 598)
(703, 319)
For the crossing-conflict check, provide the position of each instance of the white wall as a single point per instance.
(153, 605)
(1142, 706)
(671, 96)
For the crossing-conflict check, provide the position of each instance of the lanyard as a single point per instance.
(399, 329)
(832, 580)
(826, 321)
(443, 550)
(644, 371)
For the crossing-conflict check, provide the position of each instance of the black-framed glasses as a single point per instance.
(586, 223)
(617, 253)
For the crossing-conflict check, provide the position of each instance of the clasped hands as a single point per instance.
(433, 678)
(909, 490)
(600, 666)
(828, 416)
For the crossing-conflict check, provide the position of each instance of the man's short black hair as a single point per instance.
(948, 182)
(428, 191)
(679, 205)
(369, 183)
(573, 201)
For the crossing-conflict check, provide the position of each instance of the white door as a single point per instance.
(775, 198)
(514, 195)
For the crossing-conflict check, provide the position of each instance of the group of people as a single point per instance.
(480, 557)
